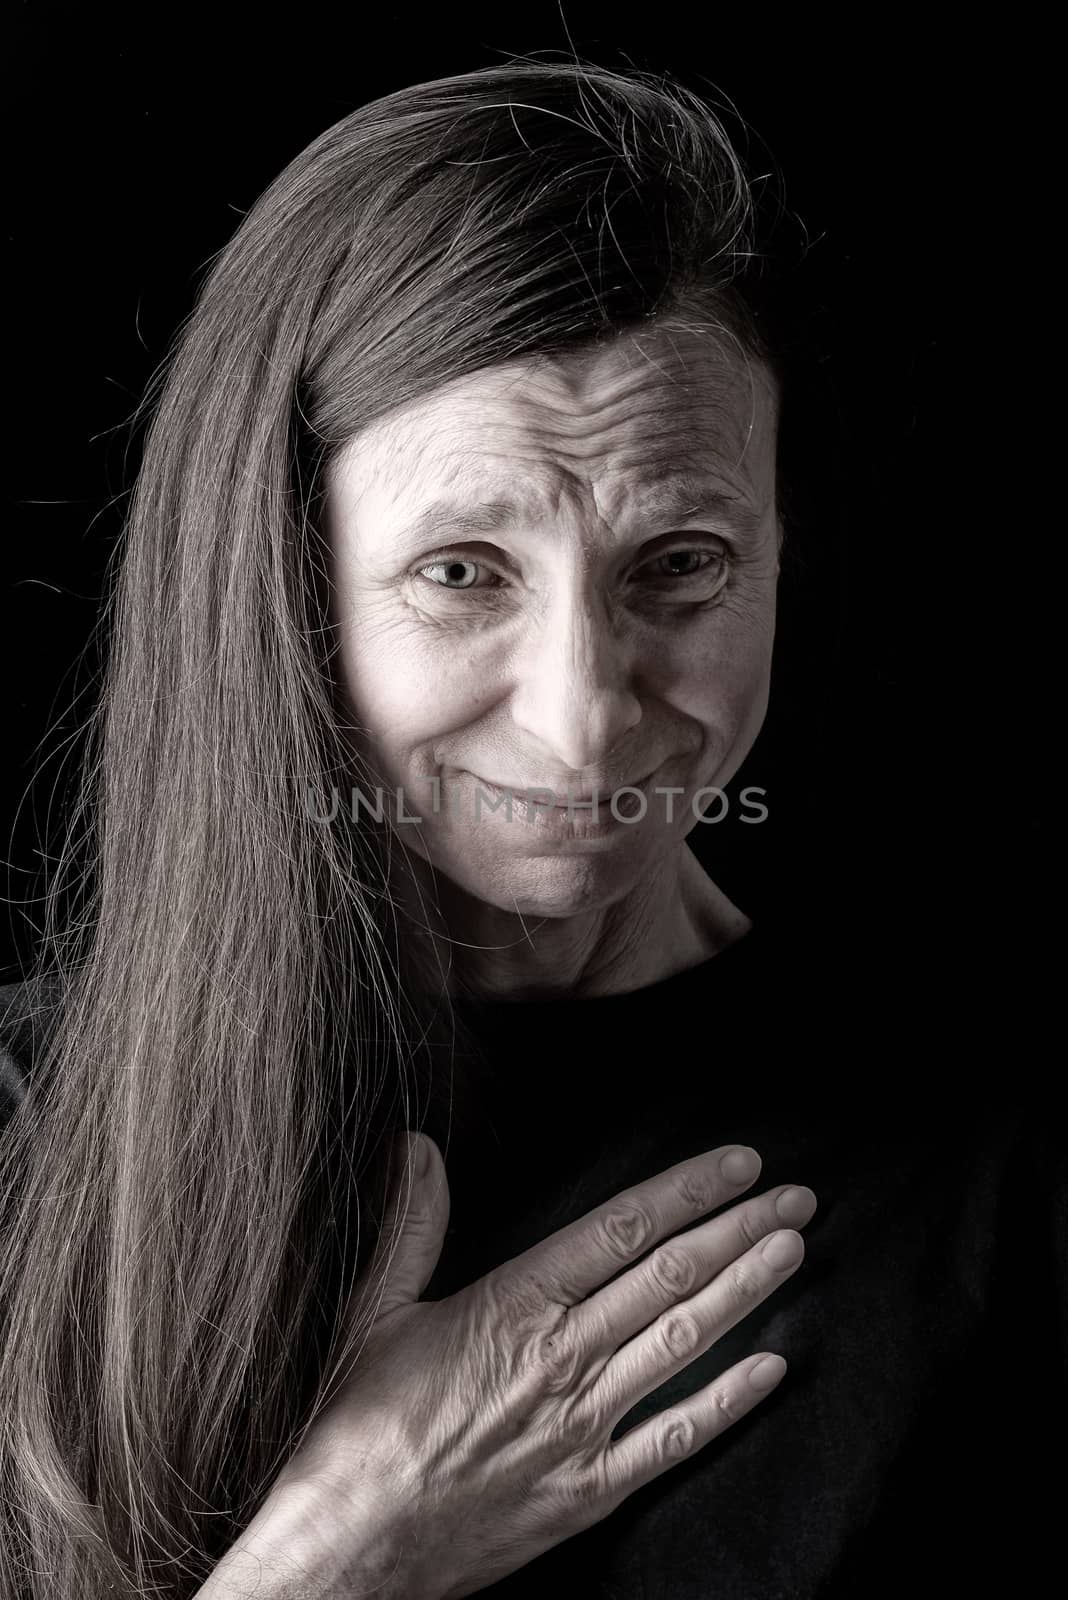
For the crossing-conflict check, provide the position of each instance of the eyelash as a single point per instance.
(673, 580)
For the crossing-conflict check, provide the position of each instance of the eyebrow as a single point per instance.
(680, 494)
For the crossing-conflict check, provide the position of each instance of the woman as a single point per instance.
(458, 514)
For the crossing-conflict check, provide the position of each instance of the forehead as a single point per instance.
(614, 420)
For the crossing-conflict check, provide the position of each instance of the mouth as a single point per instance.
(564, 797)
(587, 813)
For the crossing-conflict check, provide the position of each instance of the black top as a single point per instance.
(913, 1443)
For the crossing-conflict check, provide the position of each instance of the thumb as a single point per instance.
(416, 1220)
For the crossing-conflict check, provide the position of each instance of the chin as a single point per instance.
(548, 886)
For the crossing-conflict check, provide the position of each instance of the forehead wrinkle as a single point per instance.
(662, 450)
(700, 430)
(669, 494)
(575, 406)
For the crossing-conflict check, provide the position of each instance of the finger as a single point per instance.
(578, 1259)
(685, 1331)
(682, 1265)
(410, 1238)
(654, 1446)
(418, 1227)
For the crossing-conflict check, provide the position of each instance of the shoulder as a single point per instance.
(28, 1012)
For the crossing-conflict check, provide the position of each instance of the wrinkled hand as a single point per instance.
(474, 1432)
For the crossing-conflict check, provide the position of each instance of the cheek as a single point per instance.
(407, 679)
(717, 669)
(412, 678)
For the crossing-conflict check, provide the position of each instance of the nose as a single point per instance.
(575, 695)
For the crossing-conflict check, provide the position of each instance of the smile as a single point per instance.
(564, 797)
(591, 814)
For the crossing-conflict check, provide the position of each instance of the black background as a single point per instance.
(900, 754)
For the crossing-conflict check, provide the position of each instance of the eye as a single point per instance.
(454, 572)
(683, 564)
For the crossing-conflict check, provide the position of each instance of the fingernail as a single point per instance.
(795, 1206)
(739, 1164)
(783, 1250)
(767, 1372)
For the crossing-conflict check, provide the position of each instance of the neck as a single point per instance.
(671, 921)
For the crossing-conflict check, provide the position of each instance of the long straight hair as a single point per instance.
(201, 1161)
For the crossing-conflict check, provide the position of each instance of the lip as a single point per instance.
(561, 822)
(601, 792)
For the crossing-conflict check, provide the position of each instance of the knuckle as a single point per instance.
(680, 1333)
(673, 1269)
(695, 1190)
(724, 1403)
(558, 1359)
(626, 1229)
(676, 1436)
(744, 1283)
(587, 1486)
(751, 1227)
(511, 1300)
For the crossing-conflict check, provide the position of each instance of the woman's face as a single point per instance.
(563, 580)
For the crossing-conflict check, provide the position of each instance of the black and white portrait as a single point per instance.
(519, 1071)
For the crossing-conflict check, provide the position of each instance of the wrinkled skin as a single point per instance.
(473, 1433)
(613, 627)
(596, 635)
